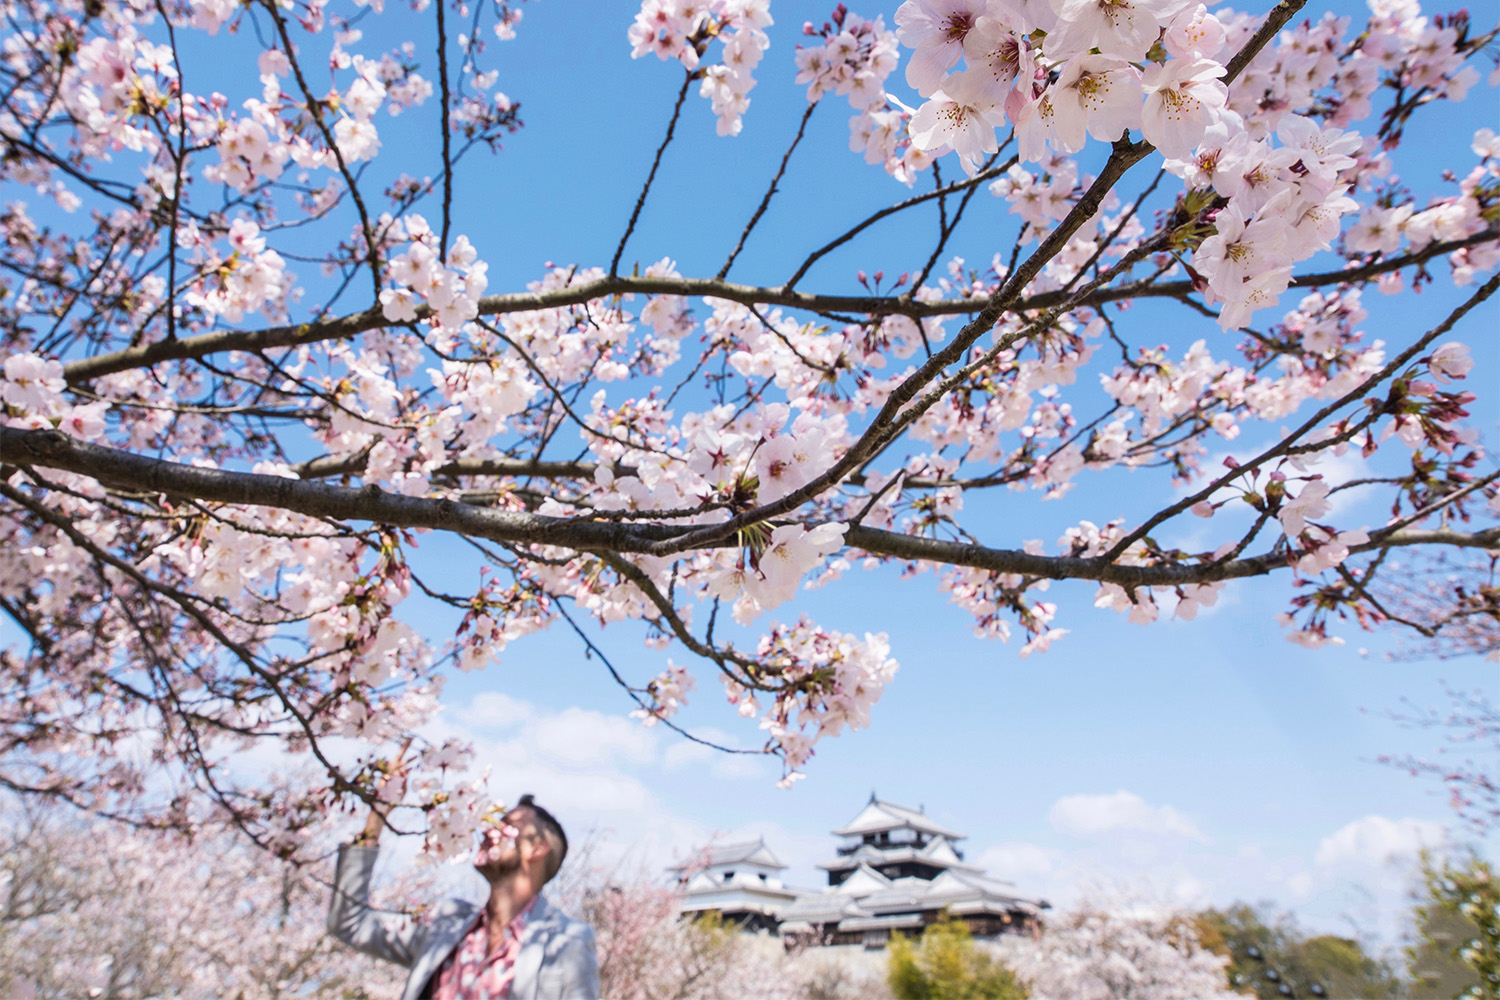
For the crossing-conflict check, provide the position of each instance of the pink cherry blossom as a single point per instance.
(1311, 502)
(961, 115)
(1096, 95)
(1183, 99)
(935, 30)
(1194, 32)
(1450, 361)
(1124, 30)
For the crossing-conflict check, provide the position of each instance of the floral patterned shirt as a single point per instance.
(473, 972)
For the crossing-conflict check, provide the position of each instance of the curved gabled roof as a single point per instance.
(748, 851)
(880, 815)
(938, 854)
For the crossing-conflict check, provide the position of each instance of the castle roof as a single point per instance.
(938, 853)
(880, 815)
(867, 900)
(743, 852)
(884, 882)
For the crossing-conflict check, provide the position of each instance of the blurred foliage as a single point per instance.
(1272, 959)
(945, 964)
(1457, 952)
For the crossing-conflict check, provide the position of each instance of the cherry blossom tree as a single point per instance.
(249, 365)
(648, 951)
(1465, 762)
(1450, 602)
(1119, 952)
(92, 909)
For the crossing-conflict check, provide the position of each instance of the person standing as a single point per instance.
(517, 946)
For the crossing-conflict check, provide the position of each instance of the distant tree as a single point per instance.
(1270, 957)
(1457, 951)
(1467, 762)
(1119, 951)
(1451, 601)
(648, 952)
(945, 964)
(95, 909)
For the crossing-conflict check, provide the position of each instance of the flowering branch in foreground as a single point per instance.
(216, 470)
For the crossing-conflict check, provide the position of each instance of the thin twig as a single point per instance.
(770, 193)
(640, 201)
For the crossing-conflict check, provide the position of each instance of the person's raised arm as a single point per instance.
(374, 824)
(389, 936)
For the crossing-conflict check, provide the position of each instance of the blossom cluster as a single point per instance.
(1119, 948)
(1098, 90)
(92, 905)
(854, 60)
(830, 681)
(684, 29)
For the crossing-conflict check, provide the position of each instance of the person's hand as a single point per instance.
(375, 822)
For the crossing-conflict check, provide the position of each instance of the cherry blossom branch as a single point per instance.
(1359, 588)
(1458, 602)
(1347, 275)
(179, 157)
(52, 449)
(708, 650)
(883, 427)
(189, 605)
(1312, 423)
(946, 228)
(446, 128)
(352, 325)
(315, 111)
(634, 693)
(1276, 19)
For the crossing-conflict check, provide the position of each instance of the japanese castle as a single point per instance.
(894, 870)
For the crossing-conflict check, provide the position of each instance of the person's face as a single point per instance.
(518, 842)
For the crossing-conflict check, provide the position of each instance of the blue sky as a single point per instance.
(1203, 762)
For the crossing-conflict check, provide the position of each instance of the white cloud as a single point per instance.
(1377, 841)
(493, 710)
(685, 752)
(1015, 861)
(1090, 816)
(582, 738)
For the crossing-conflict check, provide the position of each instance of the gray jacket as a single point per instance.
(557, 960)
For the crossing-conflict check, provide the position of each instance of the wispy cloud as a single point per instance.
(1376, 841)
(1093, 816)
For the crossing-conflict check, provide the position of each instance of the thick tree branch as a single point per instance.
(55, 450)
